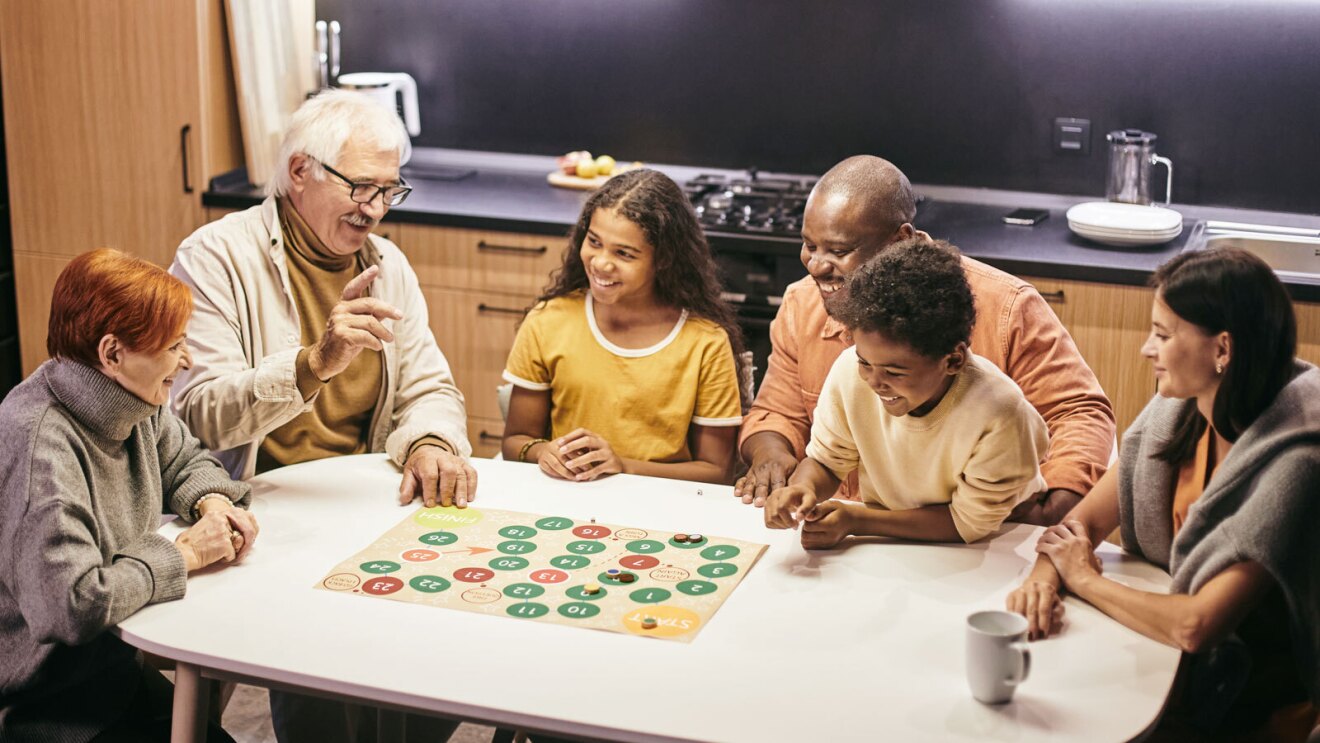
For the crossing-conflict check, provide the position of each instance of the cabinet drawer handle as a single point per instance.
(487, 436)
(1054, 297)
(183, 151)
(538, 250)
(483, 307)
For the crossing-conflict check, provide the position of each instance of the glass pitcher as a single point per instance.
(1131, 155)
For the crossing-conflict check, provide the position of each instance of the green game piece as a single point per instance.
(380, 567)
(718, 569)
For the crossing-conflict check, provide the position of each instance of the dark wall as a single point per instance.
(958, 92)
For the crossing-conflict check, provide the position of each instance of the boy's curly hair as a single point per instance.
(913, 291)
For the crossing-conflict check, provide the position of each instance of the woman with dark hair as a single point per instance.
(630, 361)
(91, 458)
(1217, 482)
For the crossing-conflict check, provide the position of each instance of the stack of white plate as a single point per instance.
(1112, 223)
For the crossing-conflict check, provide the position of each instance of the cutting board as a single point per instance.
(562, 180)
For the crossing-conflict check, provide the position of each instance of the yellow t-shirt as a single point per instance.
(642, 401)
(979, 450)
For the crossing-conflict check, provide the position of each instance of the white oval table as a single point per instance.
(859, 643)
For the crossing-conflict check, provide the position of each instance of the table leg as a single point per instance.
(189, 721)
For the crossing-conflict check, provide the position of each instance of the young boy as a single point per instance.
(945, 445)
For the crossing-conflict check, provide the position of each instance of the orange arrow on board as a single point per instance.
(471, 551)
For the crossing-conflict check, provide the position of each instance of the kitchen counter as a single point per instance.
(497, 191)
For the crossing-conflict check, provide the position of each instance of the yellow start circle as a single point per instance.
(670, 621)
(441, 517)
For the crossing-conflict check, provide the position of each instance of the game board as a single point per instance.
(544, 567)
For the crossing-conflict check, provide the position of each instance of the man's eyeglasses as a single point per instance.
(365, 193)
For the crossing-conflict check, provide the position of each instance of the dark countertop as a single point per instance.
(497, 191)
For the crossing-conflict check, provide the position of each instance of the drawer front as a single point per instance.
(485, 435)
(475, 331)
(498, 262)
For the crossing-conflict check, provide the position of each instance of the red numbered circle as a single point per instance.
(591, 531)
(549, 576)
(639, 562)
(382, 586)
(473, 575)
(420, 555)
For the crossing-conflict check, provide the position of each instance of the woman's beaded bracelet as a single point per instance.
(522, 453)
(197, 506)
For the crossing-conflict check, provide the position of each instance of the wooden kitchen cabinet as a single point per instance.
(1308, 331)
(116, 114)
(1109, 323)
(477, 285)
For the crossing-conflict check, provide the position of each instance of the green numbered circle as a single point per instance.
(585, 547)
(379, 567)
(570, 562)
(516, 547)
(686, 545)
(579, 610)
(524, 591)
(718, 569)
(645, 546)
(509, 563)
(614, 579)
(438, 538)
(554, 523)
(649, 595)
(720, 552)
(518, 532)
(429, 583)
(580, 593)
(528, 610)
(696, 587)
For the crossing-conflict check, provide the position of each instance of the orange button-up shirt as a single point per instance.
(1015, 330)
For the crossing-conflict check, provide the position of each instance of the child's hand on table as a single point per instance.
(826, 525)
(788, 506)
(588, 455)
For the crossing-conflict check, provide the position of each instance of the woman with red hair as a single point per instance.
(90, 459)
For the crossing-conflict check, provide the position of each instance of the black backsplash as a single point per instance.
(958, 92)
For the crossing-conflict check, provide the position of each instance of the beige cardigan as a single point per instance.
(245, 336)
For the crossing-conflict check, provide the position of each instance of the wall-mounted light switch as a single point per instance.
(1072, 135)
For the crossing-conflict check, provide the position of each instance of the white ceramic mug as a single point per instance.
(997, 655)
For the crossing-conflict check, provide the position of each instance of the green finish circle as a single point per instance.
(649, 595)
(718, 569)
(438, 538)
(523, 590)
(528, 610)
(585, 547)
(518, 532)
(696, 587)
(613, 580)
(508, 563)
(379, 567)
(580, 593)
(645, 546)
(579, 610)
(554, 523)
(516, 547)
(720, 552)
(429, 583)
(570, 562)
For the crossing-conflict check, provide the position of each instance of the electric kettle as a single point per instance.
(387, 87)
(1131, 155)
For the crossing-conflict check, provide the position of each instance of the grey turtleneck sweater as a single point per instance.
(86, 469)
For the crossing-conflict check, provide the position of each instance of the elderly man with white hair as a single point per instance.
(309, 338)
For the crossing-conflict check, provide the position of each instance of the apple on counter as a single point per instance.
(581, 164)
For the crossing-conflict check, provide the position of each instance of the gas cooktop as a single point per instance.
(753, 204)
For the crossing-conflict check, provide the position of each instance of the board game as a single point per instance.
(551, 569)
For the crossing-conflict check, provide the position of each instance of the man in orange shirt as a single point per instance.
(858, 207)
